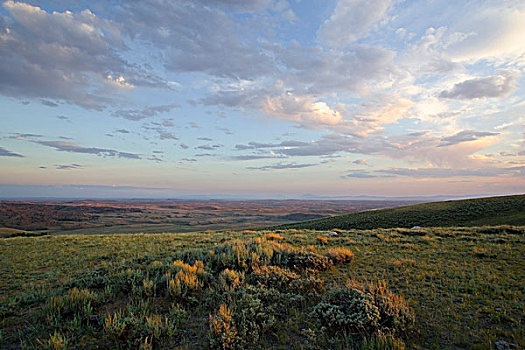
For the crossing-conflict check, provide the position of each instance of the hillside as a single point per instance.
(505, 210)
(434, 288)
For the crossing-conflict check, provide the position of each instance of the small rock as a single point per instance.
(502, 345)
(416, 228)
(333, 233)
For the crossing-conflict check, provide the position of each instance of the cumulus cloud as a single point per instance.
(65, 146)
(500, 85)
(456, 150)
(63, 56)
(203, 38)
(303, 110)
(351, 20)
(6, 153)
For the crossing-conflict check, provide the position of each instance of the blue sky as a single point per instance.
(268, 98)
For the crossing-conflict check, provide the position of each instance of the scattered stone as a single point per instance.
(416, 228)
(502, 345)
(333, 233)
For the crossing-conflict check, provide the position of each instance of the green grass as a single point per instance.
(464, 285)
(12, 232)
(505, 210)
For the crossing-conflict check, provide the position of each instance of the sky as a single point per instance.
(161, 98)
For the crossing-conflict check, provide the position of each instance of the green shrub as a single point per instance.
(298, 260)
(366, 310)
(347, 310)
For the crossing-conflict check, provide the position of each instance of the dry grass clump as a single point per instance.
(340, 255)
(274, 277)
(322, 239)
(274, 237)
(222, 332)
(400, 262)
(230, 280)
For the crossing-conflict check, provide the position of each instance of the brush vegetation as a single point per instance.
(505, 210)
(431, 288)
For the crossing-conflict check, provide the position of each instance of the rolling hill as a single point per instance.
(504, 210)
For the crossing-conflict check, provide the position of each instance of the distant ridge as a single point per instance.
(504, 210)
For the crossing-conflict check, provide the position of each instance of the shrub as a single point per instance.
(298, 260)
(230, 280)
(149, 287)
(307, 285)
(158, 326)
(347, 310)
(78, 302)
(367, 310)
(115, 325)
(222, 334)
(125, 280)
(274, 237)
(340, 255)
(396, 316)
(185, 283)
(322, 239)
(57, 341)
(274, 277)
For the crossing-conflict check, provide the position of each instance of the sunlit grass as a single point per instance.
(464, 285)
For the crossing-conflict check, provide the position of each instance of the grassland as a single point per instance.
(284, 289)
(504, 210)
(134, 216)
(12, 232)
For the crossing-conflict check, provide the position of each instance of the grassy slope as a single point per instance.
(465, 284)
(507, 210)
(6, 232)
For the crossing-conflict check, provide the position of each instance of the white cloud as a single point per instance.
(303, 110)
(493, 32)
(66, 56)
(500, 85)
(351, 20)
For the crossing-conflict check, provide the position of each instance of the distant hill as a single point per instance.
(504, 210)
